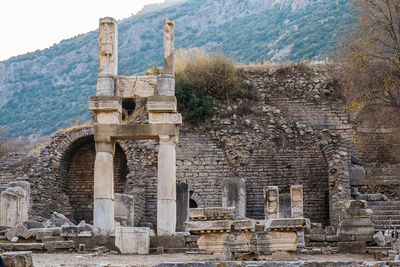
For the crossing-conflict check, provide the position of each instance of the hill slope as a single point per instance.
(43, 91)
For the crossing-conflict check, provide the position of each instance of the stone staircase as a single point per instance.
(386, 214)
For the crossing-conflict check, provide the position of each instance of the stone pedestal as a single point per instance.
(14, 204)
(133, 240)
(296, 196)
(234, 195)
(271, 202)
(166, 188)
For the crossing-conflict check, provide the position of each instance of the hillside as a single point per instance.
(43, 91)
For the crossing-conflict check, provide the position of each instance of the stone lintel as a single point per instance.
(221, 225)
(105, 104)
(105, 133)
(135, 86)
(201, 214)
(161, 104)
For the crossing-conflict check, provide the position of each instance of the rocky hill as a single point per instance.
(43, 91)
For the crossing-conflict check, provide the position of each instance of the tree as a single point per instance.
(369, 67)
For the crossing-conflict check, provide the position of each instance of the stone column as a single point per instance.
(166, 189)
(271, 202)
(234, 195)
(296, 196)
(166, 81)
(108, 56)
(103, 208)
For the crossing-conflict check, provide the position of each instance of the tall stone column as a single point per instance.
(166, 80)
(166, 189)
(108, 56)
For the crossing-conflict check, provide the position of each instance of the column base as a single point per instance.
(103, 215)
(166, 217)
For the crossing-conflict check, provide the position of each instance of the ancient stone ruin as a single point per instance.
(285, 179)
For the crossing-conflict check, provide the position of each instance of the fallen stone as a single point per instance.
(52, 246)
(352, 247)
(52, 238)
(316, 251)
(167, 242)
(19, 230)
(59, 219)
(42, 232)
(332, 238)
(81, 225)
(317, 237)
(17, 259)
(134, 240)
(380, 239)
(85, 234)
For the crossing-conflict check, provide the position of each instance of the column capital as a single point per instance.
(167, 140)
(105, 147)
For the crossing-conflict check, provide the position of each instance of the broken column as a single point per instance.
(296, 196)
(108, 56)
(271, 202)
(234, 195)
(166, 81)
(107, 109)
(166, 188)
(14, 203)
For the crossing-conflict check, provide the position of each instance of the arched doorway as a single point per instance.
(78, 174)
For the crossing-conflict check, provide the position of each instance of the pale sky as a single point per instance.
(28, 25)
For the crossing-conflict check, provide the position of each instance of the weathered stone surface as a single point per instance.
(216, 243)
(167, 241)
(211, 213)
(28, 246)
(283, 241)
(182, 205)
(165, 85)
(33, 224)
(169, 46)
(17, 259)
(125, 207)
(352, 247)
(170, 118)
(317, 237)
(204, 226)
(162, 104)
(243, 225)
(19, 231)
(14, 205)
(379, 239)
(287, 224)
(40, 233)
(52, 246)
(139, 86)
(271, 204)
(69, 231)
(283, 256)
(132, 240)
(296, 196)
(234, 195)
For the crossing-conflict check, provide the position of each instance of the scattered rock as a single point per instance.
(19, 230)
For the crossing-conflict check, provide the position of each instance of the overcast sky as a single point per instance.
(28, 25)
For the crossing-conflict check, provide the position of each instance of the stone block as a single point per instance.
(283, 256)
(161, 118)
(379, 239)
(139, 86)
(166, 217)
(358, 204)
(52, 238)
(17, 259)
(234, 195)
(204, 226)
(317, 237)
(124, 205)
(287, 224)
(197, 214)
(132, 240)
(69, 231)
(52, 246)
(213, 242)
(182, 205)
(239, 242)
(28, 246)
(162, 104)
(352, 247)
(40, 233)
(219, 212)
(167, 242)
(332, 238)
(357, 175)
(330, 230)
(19, 231)
(283, 241)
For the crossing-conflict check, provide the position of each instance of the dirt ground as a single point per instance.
(75, 259)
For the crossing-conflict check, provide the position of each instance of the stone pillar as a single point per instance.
(166, 188)
(271, 202)
(108, 56)
(166, 81)
(296, 196)
(182, 205)
(234, 195)
(103, 208)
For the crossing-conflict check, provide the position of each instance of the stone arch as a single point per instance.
(196, 198)
(70, 158)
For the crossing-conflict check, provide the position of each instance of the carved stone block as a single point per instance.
(171, 118)
(296, 196)
(271, 202)
(140, 86)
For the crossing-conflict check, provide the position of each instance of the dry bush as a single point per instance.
(290, 68)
